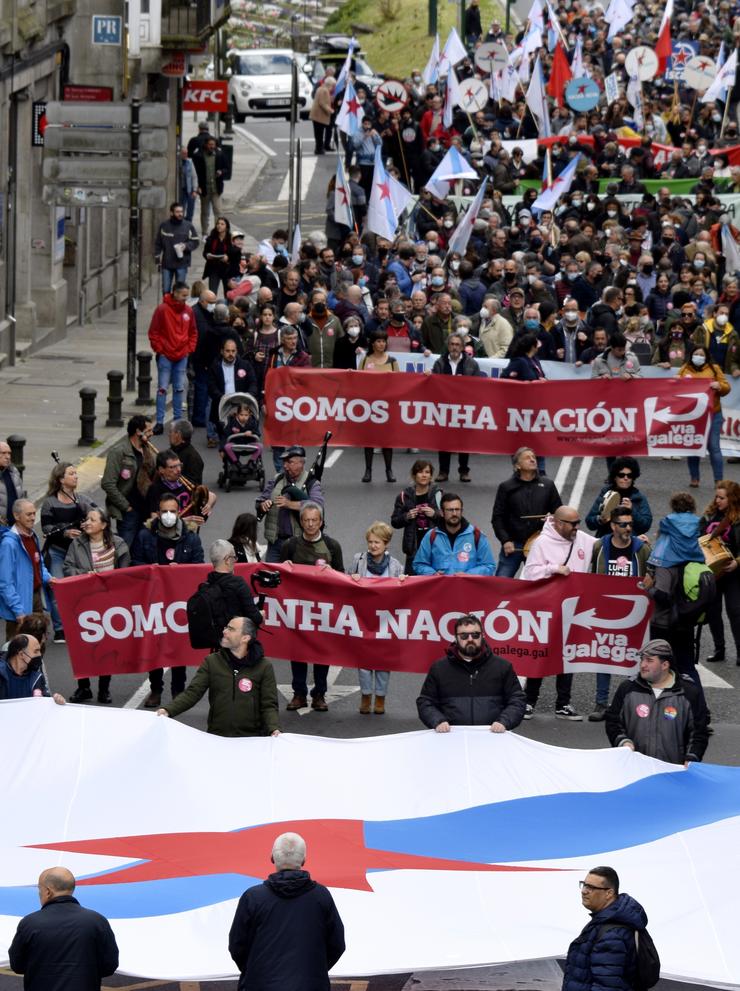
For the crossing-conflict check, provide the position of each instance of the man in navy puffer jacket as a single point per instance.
(604, 956)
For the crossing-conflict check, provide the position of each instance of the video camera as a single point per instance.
(264, 579)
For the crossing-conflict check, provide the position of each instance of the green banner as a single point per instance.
(677, 187)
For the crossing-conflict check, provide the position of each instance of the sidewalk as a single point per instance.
(41, 393)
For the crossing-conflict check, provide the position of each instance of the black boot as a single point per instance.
(388, 458)
(718, 655)
(368, 476)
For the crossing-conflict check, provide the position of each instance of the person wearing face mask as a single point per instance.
(322, 329)
(350, 345)
(570, 334)
(646, 277)
(402, 336)
(701, 365)
(166, 540)
(721, 339)
(494, 331)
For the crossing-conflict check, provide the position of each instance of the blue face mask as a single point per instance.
(531, 324)
(437, 280)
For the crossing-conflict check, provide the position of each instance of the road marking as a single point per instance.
(710, 679)
(562, 474)
(248, 136)
(580, 483)
(333, 693)
(141, 693)
(333, 458)
(307, 171)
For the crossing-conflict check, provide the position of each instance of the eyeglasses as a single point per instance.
(624, 474)
(571, 522)
(469, 636)
(623, 525)
(584, 886)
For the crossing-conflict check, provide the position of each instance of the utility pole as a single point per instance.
(432, 29)
(134, 247)
(291, 147)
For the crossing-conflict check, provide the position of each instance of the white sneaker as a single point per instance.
(529, 711)
(568, 712)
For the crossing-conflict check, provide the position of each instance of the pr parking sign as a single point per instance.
(106, 29)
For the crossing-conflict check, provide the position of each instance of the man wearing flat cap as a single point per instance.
(660, 713)
(281, 500)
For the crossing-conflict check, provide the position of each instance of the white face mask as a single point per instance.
(721, 319)
(454, 265)
(611, 213)
(353, 333)
(571, 316)
(484, 313)
(698, 361)
(168, 519)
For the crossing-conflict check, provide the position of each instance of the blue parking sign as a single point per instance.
(106, 29)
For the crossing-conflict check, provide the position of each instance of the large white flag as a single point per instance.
(560, 185)
(430, 74)
(452, 98)
(350, 113)
(453, 52)
(536, 100)
(382, 218)
(618, 14)
(342, 197)
(730, 250)
(461, 234)
(724, 80)
(491, 828)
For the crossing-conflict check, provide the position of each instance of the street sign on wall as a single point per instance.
(107, 29)
(208, 95)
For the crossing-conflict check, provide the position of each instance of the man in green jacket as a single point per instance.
(129, 470)
(240, 682)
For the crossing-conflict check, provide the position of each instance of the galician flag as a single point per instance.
(452, 98)
(730, 249)
(557, 188)
(452, 53)
(382, 218)
(400, 195)
(453, 166)
(350, 112)
(618, 15)
(723, 81)
(461, 234)
(342, 199)
(430, 74)
(536, 100)
(295, 252)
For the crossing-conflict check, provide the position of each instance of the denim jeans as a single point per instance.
(381, 682)
(171, 275)
(715, 455)
(56, 560)
(508, 564)
(175, 372)
(603, 683)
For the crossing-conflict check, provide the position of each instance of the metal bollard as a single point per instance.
(115, 399)
(87, 416)
(16, 443)
(144, 378)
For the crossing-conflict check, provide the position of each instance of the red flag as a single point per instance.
(663, 46)
(560, 74)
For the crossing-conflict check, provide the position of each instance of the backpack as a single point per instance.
(647, 958)
(695, 591)
(206, 616)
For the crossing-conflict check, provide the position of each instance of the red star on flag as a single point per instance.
(353, 106)
(343, 193)
(385, 193)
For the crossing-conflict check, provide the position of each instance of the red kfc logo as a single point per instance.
(205, 95)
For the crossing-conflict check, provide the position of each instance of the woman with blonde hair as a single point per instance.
(375, 562)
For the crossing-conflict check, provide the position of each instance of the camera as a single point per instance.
(266, 579)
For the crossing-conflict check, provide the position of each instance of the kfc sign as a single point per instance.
(204, 95)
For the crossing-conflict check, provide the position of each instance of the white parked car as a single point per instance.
(260, 81)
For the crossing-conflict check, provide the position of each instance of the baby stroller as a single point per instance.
(242, 454)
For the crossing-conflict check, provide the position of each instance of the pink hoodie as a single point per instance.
(550, 550)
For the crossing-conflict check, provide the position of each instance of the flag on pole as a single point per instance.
(723, 81)
(461, 235)
(453, 52)
(381, 215)
(344, 74)
(730, 249)
(664, 45)
(555, 27)
(634, 95)
(618, 15)
(721, 58)
(536, 100)
(342, 198)
(295, 253)
(577, 66)
(454, 166)
(350, 113)
(558, 187)
(430, 75)
(452, 98)
(400, 195)
(560, 74)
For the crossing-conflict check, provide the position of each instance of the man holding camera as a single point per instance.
(282, 499)
(241, 686)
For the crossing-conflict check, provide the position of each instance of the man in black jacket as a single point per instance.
(471, 686)
(235, 594)
(287, 932)
(211, 168)
(522, 504)
(63, 947)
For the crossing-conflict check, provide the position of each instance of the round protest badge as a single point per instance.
(699, 73)
(582, 94)
(642, 62)
(245, 685)
(473, 95)
(392, 96)
(642, 710)
(491, 57)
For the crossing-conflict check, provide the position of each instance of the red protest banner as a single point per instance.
(134, 619)
(604, 417)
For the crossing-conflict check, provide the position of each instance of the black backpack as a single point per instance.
(647, 958)
(206, 616)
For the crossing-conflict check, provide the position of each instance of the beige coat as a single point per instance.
(323, 105)
(495, 336)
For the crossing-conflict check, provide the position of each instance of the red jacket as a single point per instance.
(172, 331)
